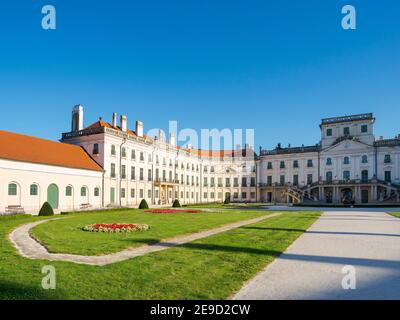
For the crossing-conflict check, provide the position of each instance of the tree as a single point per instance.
(176, 204)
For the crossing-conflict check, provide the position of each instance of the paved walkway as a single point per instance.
(30, 248)
(312, 267)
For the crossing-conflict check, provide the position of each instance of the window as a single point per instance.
(269, 166)
(133, 173)
(132, 193)
(295, 163)
(149, 193)
(236, 195)
(387, 158)
(96, 148)
(329, 176)
(113, 150)
(141, 175)
(68, 191)
(123, 193)
(123, 153)
(123, 172)
(96, 192)
(282, 165)
(309, 178)
(388, 176)
(236, 182)
(113, 170)
(269, 180)
(227, 182)
(149, 175)
(346, 175)
(34, 190)
(141, 193)
(364, 159)
(329, 161)
(329, 132)
(205, 195)
(346, 160)
(244, 182)
(244, 195)
(133, 155)
(12, 189)
(282, 179)
(296, 179)
(364, 128)
(309, 163)
(83, 192)
(364, 176)
(346, 131)
(253, 195)
(252, 182)
(141, 156)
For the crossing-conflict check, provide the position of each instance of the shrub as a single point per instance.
(46, 210)
(143, 205)
(176, 204)
(227, 200)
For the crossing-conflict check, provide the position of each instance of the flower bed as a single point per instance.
(116, 227)
(172, 211)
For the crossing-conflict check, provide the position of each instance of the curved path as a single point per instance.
(312, 267)
(31, 249)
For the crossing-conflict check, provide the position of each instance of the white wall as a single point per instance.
(25, 174)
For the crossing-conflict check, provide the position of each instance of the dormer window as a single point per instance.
(96, 148)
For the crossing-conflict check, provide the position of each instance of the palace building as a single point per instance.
(106, 164)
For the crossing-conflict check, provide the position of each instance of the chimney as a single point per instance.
(77, 118)
(123, 123)
(114, 119)
(172, 140)
(139, 129)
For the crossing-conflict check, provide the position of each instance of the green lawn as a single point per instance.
(396, 214)
(66, 235)
(210, 268)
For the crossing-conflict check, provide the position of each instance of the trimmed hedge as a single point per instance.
(176, 204)
(46, 210)
(143, 205)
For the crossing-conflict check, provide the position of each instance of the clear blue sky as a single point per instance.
(275, 66)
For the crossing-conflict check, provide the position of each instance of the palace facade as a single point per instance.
(108, 165)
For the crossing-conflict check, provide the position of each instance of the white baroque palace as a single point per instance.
(107, 164)
(348, 166)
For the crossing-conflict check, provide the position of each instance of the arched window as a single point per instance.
(68, 191)
(83, 192)
(97, 192)
(346, 160)
(329, 161)
(12, 189)
(34, 190)
(364, 159)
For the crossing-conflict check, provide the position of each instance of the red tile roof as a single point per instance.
(23, 148)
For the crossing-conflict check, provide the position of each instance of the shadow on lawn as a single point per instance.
(18, 291)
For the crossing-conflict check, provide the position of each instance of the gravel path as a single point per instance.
(312, 268)
(31, 249)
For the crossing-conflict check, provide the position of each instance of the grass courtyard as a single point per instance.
(211, 268)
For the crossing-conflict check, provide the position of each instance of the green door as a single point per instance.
(52, 196)
(112, 196)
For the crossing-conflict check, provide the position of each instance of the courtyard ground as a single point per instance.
(214, 267)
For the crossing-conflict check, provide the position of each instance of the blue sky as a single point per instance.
(275, 66)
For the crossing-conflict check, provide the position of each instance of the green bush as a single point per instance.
(46, 210)
(143, 205)
(176, 204)
(227, 200)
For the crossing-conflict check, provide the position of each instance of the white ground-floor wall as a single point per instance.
(29, 185)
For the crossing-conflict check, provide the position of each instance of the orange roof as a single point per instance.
(23, 148)
(101, 123)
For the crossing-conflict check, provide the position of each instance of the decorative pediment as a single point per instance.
(348, 145)
(228, 170)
